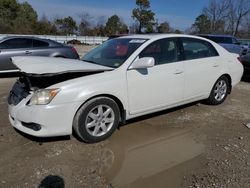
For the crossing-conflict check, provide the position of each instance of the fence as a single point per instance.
(91, 40)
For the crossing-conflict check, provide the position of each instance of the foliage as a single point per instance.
(45, 27)
(202, 24)
(164, 28)
(17, 17)
(85, 23)
(66, 26)
(144, 15)
(227, 16)
(26, 19)
(219, 16)
(114, 26)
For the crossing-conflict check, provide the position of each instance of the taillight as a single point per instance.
(74, 50)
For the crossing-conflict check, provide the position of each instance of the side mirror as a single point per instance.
(143, 63)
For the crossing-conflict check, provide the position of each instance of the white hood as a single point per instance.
(50, 65)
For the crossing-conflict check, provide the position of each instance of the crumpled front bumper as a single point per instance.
(54, 120)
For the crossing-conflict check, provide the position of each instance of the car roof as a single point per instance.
(214, 35)
(157, 35)
(51, 42)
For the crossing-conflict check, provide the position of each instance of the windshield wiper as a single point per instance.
(89, 61)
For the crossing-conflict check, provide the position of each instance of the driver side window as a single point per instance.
(163, 51)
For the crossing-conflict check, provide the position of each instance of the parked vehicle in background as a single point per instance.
(245, 43)
(245, 59)
(121, 79)
(230, 43)
(31, 46)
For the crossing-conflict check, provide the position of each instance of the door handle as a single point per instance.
(215, 65)
(178, 72)
(28, 52)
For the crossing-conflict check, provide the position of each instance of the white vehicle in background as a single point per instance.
(121, 79)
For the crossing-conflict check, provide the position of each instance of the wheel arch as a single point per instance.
(118, 102)
(230, 81)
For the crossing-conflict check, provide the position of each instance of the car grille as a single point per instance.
(18, 93)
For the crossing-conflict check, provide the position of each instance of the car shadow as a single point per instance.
(42, 140)
(245, 79)
(52, 181)
(163, 112)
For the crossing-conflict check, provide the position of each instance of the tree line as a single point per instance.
(224, 16)
(219, 16)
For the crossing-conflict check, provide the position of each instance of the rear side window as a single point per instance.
(196, 49)
(17, 43)
(39, 43)
(163, 51)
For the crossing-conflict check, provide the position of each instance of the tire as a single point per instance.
(97, 119)
(219, 92)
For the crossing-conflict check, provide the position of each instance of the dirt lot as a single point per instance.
(192, 146)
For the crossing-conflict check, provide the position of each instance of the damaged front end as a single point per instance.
(30, 83)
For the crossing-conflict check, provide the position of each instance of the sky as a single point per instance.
(180, 14)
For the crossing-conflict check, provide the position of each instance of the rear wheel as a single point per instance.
(219, 92)
(97, 119)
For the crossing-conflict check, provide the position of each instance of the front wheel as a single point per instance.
(97, 119)
(219, 92)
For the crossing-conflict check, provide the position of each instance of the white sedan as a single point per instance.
(121, 79)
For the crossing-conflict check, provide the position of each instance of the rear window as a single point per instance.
(39, 43)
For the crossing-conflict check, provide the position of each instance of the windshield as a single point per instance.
(113, 53)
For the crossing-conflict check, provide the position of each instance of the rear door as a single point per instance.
(201, 65)
(13, 47)
(40, 48)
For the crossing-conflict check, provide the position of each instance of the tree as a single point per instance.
(100, 26)
(216, 11)
(237, 12)
(227, 16)
(143, 15)
(45, 27)
(114, 25)
(202, 24)
(133, 28)
(8, 12)
(26, 19)
(16, 17)
(85, 24)
(8, 9)
(66, 26)
(177, 31)
(164, 28)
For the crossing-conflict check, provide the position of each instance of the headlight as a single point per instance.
(43, 96)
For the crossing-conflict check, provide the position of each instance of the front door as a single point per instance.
(158, 86)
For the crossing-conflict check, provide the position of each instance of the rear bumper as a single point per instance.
(54, 120)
